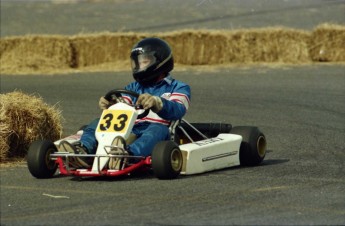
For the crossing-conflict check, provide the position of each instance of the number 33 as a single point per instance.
(108, 119)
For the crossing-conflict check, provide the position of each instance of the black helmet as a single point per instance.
(151, 58)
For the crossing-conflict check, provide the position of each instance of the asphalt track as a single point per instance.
(70, 17)
(301, 181)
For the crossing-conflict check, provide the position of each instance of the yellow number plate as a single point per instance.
(114, 121)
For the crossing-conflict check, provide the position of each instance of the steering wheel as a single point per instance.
(116, 95)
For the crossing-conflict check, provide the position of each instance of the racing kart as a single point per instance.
(194, 148)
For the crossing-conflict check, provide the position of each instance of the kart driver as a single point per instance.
(168, 99)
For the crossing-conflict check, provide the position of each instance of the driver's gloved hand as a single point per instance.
(148, 101)
(103, 103)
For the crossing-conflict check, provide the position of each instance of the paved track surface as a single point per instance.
(300, 109)
(19, 17)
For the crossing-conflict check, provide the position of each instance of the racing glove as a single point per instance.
(149, 101)
(103, 103)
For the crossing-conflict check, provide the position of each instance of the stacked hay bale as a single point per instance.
(24, 119)
(197, 47)
(269, 45)
(328, 43)
(35, 54)
(191, 47)
(90, 50)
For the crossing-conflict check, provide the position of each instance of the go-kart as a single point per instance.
(194, 148)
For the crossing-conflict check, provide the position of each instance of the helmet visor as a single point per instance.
(141, 61)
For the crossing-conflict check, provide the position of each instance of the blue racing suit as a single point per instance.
(153, 128)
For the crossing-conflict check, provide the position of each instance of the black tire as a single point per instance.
(167, 160)
(253, 146)
(39, 162)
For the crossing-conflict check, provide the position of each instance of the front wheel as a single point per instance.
(39, 162)
(167, 160)
(253, 146)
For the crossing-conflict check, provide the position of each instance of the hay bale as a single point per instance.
(97, 49)
(269, 45)
(200, 47)
(47, 54)
(29, 54)
(24, 119)
(328, 43)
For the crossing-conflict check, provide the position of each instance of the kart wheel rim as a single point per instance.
(176, 160)
(50, 163)
(261, 146)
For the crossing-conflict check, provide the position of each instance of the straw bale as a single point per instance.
(192, 47)
(241, 46)
(102, 48)
(34, 53)
(24, 119)
(46, 54)
(269, 45)
(328, 43)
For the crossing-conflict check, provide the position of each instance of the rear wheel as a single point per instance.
(39, 162)
(253, 146)
(167, 160)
